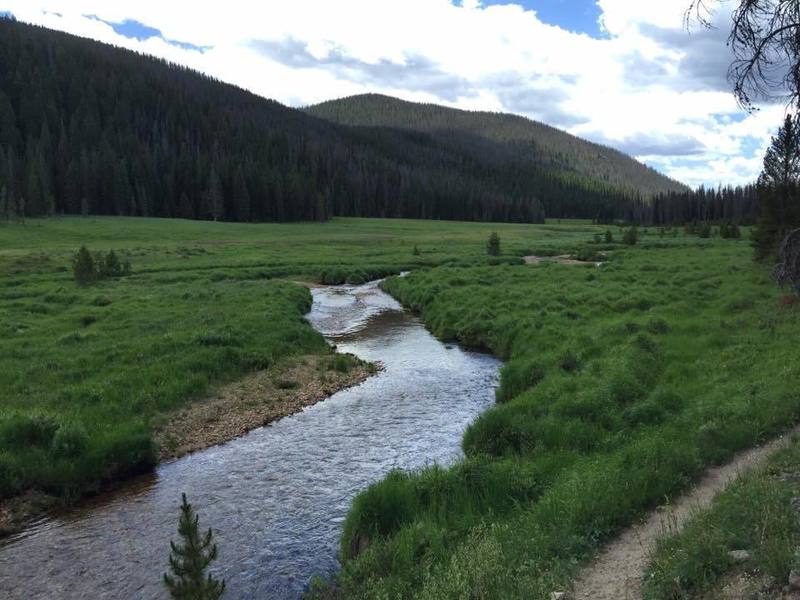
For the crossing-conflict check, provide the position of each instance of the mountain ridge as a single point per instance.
(379, 110)
(90, 128)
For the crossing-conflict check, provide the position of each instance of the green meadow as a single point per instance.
(622, 382)
(86, 371)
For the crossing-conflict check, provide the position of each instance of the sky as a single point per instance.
(626, 73)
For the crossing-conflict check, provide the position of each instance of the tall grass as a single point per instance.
(758, 513)
(622, 384)
(86, 371)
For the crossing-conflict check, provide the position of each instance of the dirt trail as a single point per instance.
(616, 572)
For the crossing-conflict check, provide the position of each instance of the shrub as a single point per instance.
(668, 400)
(631, 327)
(87, 269)
(644, 413)
(493, 244)
(87, 320)
(568, 361)
(341, 363)
(587, 255)
(10, 481)
(333, 276)
(730, 231)
(609, 237)
(631, 236)
(645, 343)
(83, 267)
(111, 266)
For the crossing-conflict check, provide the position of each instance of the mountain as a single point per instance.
(505, 139)
(90, 128)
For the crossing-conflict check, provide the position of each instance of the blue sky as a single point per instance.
(580, 16)
(639, 82)
(134, 30)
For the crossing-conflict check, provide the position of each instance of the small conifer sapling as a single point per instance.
(189, 559)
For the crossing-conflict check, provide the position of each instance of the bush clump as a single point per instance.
(569, 361)
(87, 269)
(631, 236)
(730, 231)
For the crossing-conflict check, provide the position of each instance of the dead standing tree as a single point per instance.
(787, 271)
(765, 41)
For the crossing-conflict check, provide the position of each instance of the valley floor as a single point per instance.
(624, 383)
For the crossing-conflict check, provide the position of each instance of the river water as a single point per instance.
(276, 498)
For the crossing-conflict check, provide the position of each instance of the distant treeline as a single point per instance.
(722, 205)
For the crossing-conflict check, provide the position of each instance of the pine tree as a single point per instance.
(188, 561)
(185, 207)
(493, 244)
(4, 211)
(110, 266)
(241, 197)
(9, 134)
(83, 267)
(213, 201)
(121, 189)
(778, 189)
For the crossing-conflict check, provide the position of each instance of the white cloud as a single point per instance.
(647, 87)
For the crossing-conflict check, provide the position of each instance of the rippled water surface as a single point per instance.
(276, 497)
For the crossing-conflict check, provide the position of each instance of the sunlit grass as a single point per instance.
(622, 383)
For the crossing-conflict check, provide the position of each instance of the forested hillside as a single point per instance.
(552, 159)
(90, 128)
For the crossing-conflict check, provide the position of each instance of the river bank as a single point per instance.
(228, 412)
(257, 400)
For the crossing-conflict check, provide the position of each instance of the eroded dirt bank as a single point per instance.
(257, 400)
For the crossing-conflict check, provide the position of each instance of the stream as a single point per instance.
(276, 497)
